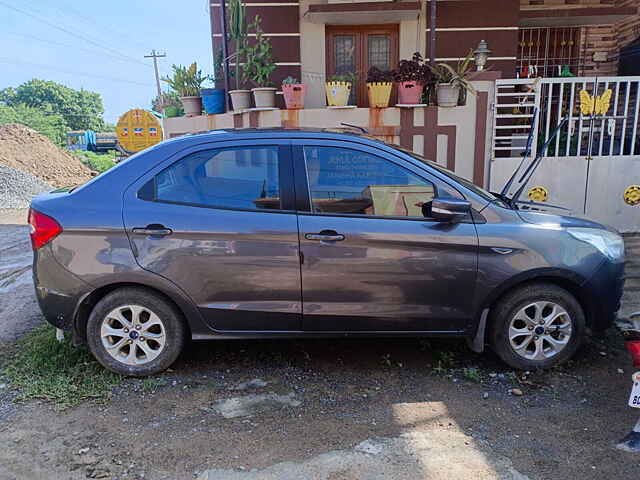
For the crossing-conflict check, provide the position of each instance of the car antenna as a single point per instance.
(526, 176)
(525, 155)
(362, 129)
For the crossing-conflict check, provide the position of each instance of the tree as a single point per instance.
(81, 109)
(48, 124)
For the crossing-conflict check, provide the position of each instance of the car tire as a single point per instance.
(117, 327)
(516, 329)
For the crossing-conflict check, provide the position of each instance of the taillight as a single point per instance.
(43, 228)
(633, 347)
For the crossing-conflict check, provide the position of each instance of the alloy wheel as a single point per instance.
(540, 330)
(133, 335)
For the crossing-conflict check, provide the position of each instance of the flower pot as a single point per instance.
(462, 98)
(192, 106)
(448, 95)
(337, 93)
(213, 100)
(294, 95)
(409, 93)
(379, 94)
(264, 97)
(240, 99)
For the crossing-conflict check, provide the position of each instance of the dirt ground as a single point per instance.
(323, 409)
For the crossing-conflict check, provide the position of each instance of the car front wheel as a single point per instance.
(135, 332)
(537, 326)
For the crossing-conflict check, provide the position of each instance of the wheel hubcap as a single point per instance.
(540, 330)
(133, 335)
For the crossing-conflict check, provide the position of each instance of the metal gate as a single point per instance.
(595, 156)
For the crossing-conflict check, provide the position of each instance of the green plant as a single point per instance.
(344, 78)
(290, 81)
(259, 64)
(447, 75)
(472, 374)
(237, 31)
(218, 66)
(186, 82)
(98, 162)
(57, 371)
(166, 100)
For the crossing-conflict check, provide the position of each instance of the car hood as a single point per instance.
(567, 220)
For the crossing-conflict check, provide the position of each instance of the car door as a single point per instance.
(371, 259)
(219, 222)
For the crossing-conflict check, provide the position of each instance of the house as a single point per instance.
(549, 59)
(314, 39)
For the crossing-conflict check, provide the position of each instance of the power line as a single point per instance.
(66, 45)
(70, 10)
(73, 72)
(69, 32)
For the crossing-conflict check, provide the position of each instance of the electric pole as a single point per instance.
(155, 57)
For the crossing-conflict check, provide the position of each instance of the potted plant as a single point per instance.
(379, 85)
(411, 77)
(452, 83)
(213, 99)
(170, 103)
(237, 31)
(258, 68)
(186, 82)
(338, 89)
(293, 93)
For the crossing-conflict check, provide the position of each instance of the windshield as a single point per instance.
(464, 182)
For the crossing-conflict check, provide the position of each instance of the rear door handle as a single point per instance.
(325, 236)
(158, 230)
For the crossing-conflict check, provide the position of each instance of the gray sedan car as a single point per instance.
(298, 233)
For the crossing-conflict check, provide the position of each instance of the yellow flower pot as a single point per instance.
(379, 94)
(338, 93)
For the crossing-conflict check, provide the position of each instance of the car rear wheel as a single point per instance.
(537, 326)
(135, 332)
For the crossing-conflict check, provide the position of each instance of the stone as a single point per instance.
(516, 392)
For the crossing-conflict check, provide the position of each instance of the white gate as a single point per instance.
(593, 159)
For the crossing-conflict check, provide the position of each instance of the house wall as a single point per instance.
(458, 138)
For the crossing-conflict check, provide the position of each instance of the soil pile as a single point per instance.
(24, 149)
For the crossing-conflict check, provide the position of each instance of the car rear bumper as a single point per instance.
(58, 291)
(604, 292)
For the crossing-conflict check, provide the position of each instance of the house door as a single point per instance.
(355, 49)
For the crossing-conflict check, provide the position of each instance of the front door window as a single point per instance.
(354, 50)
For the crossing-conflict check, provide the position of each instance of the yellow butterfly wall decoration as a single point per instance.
(595, 105)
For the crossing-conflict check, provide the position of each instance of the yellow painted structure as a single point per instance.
(590, 105)
(632, 195)
(538, 194)
(138, 129)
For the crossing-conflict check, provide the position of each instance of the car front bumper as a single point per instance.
(604, 292)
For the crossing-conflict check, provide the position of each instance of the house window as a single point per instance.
(549, 52)
(355, 49)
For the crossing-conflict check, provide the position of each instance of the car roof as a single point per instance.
(349, 133)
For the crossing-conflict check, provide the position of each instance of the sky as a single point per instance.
(100, 45)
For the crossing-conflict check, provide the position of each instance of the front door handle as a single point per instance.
(325, 236)
(153, 229)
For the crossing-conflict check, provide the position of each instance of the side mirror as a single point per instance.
(449, 209)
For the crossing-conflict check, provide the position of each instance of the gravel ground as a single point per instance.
(318, 409)
(18, 188)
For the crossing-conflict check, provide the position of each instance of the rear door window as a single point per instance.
(244, 178)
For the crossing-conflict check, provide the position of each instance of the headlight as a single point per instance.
(608, 243)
